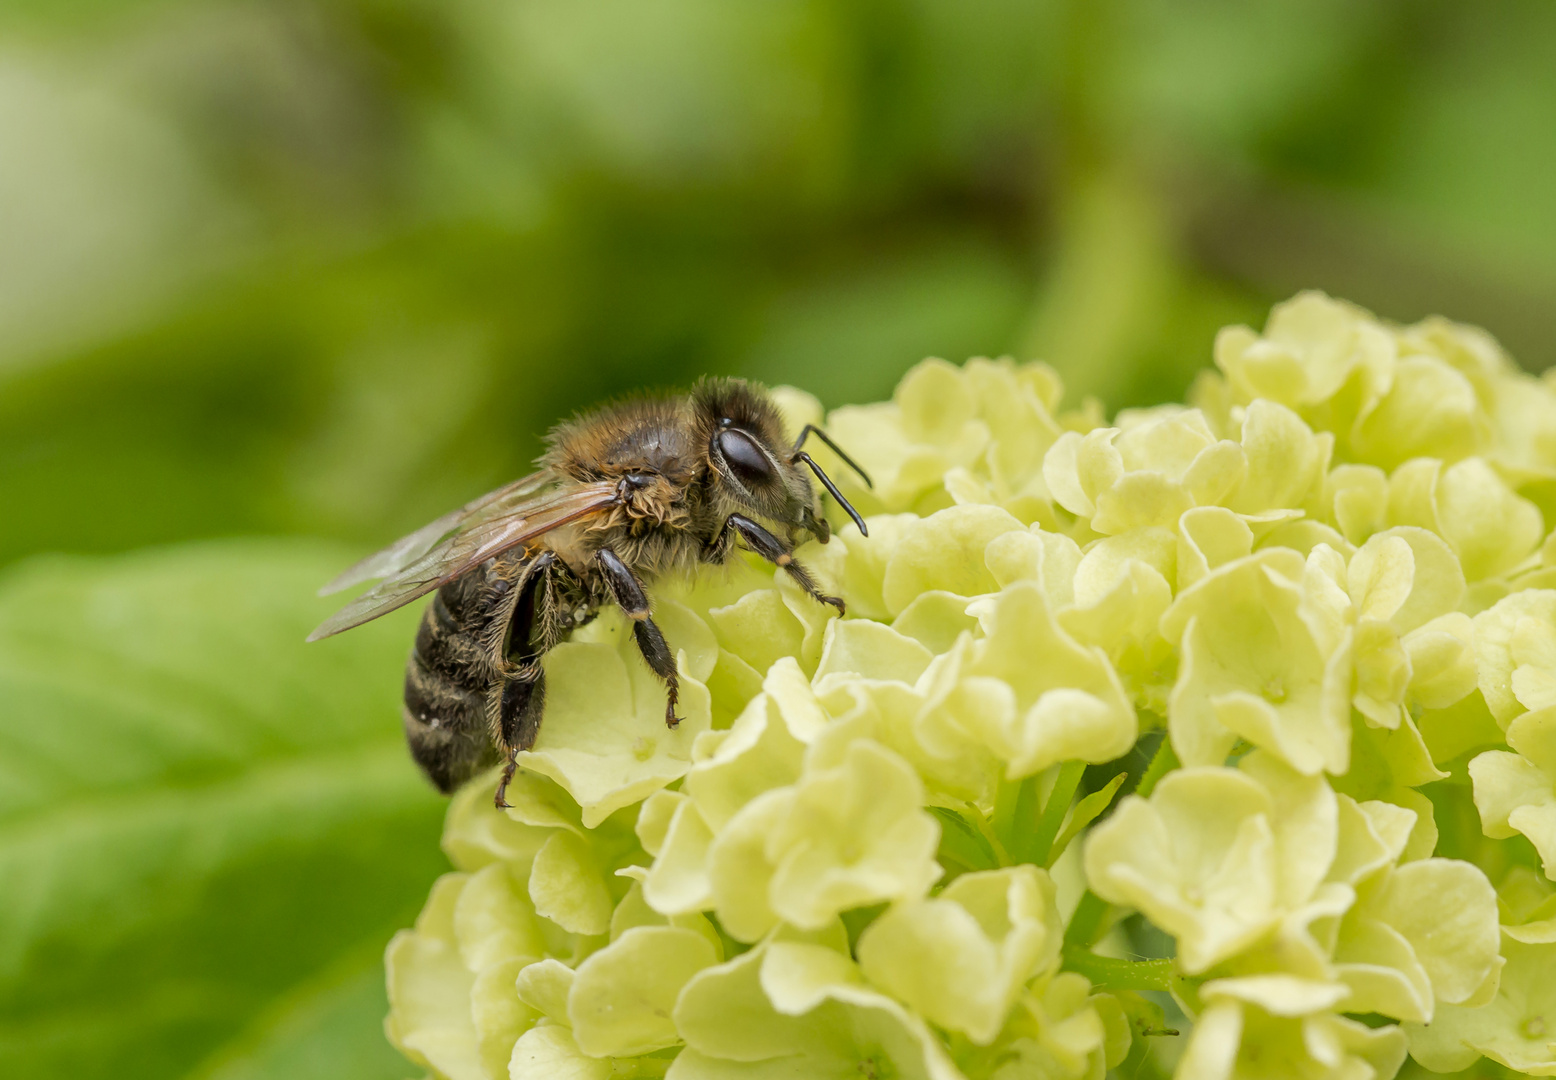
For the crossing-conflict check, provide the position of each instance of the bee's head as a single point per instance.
(752, 463)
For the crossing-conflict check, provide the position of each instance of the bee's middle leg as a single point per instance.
(628, 593)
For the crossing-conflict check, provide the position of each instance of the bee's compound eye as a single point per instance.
(744, 457)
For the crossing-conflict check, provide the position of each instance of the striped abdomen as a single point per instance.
(452, 675)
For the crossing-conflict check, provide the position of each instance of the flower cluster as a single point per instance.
(1307, 624)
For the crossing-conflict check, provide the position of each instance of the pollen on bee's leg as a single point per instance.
(784, 560)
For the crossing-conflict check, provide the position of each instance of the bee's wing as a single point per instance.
(470, 544)
(408, 549)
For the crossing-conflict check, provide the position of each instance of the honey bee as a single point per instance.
(633, 490)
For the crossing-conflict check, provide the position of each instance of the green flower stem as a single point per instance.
(1003, 819)
(1021, 825)
(1086, 923)
(1034, 848)
(1106, 973)
(1162, 763)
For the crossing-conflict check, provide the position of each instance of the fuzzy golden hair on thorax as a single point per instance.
(647, 434)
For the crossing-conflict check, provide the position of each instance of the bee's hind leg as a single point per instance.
(518, 713)
(518, 700)
(628, 593)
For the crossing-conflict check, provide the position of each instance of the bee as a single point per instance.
(625, 493)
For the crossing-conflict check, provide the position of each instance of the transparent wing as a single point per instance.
(471, 543)
(408, 549)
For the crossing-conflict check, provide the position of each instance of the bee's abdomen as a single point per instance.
(447, 684)
(448, 645)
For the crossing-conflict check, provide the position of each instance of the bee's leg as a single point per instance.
(519, 710)
(627, 591)
(521, 693)
(773, 550)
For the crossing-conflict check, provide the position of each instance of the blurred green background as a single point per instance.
(281, 280)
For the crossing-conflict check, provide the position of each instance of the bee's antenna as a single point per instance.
(827, 483)
(812, 429)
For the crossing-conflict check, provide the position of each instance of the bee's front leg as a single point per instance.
(628, 593)
(773, 550)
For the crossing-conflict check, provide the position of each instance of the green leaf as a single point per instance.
(201, 817)
(328, 1028)
(1086, 811)
(962, 843)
